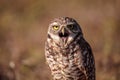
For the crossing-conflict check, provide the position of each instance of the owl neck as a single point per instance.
(57, 45)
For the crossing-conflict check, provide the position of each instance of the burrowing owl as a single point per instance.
(67, 53)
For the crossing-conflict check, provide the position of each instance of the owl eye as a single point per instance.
(71, 27)
(55, 27)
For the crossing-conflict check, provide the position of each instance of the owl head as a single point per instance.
(63, 30)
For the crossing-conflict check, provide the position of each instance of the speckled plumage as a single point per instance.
(67, 53)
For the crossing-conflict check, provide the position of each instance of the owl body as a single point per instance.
(67, 53)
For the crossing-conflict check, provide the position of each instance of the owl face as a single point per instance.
(64, 30)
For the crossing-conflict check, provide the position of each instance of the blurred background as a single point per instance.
(23, 30)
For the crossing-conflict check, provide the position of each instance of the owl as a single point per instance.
(68, 54)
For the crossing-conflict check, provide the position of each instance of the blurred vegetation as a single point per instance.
(23, 28)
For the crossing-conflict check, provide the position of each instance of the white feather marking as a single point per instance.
(54, 23)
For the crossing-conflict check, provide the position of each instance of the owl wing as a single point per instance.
(85, 60)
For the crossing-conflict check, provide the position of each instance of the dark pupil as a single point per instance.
(56, 26)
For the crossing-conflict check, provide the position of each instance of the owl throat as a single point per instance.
(62, 41)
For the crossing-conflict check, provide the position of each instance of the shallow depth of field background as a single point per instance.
(23, 28)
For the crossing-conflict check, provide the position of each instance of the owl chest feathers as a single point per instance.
(65, 59)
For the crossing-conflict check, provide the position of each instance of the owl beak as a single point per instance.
(64, 35)
(63, 31)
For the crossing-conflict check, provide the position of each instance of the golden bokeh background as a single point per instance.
(23, 31)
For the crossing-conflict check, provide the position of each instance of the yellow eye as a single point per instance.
(55, 27)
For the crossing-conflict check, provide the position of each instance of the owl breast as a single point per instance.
(65, 60)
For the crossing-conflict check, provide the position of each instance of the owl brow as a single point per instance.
(54, 23)
(70, 24)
